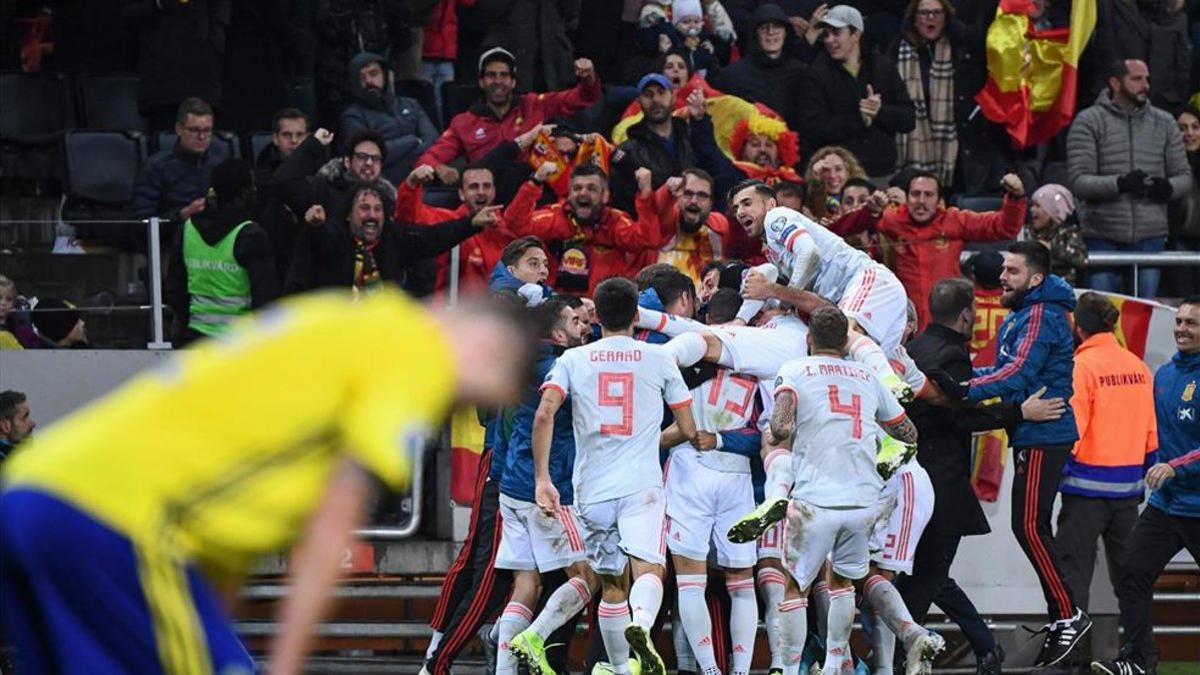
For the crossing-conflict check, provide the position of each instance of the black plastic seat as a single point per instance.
(110, 102)
(35, 110)
(458, 97)
(258, 141)
(102, 166)
(441, 196)
(422, 92)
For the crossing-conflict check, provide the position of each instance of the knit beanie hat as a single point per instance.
(681, 9)
(1056, 200)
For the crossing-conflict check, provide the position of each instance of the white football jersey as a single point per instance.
(839, 405)
(616, 386)
(811, 256)
(760, 351)
(723, 403)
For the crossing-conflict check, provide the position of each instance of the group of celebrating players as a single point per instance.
(821, 399)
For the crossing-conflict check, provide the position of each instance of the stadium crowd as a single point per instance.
(748, 218)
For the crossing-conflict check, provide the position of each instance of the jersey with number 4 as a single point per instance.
(811, 256)
(616, 386)
(839, 407)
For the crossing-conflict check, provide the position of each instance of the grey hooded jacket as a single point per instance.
(1105, 143)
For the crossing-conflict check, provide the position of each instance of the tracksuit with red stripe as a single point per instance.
(1035, 349)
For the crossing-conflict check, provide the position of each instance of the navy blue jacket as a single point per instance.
(170, 180)
(1177, 406)
(1035, 349)
(518, 481)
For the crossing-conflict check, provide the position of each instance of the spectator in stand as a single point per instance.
(590, 240)
(524, 268)
(439, 50)
(659, 142)
(928, 238)
(282, 225)
(367, 249)
(1185, 214)
(1102, 484)
(1052, 224)
(855, 98)
(479, 253)
(502, 115)
(686, 209)
(1037, 350)
(345, 28)
(221, 262)
(828, 170)
(400, 121)
(180, 45)
(941, 62)
(792, 195)
(685, 33)
(16, 421)
(8, 300)
(310, 177)
(765, 74)
(1126, 161)
(173, 181)
(1171, 520)
(59, 325)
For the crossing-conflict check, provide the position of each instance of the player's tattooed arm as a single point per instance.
(904, 431)
(546, 494)
(783, 419)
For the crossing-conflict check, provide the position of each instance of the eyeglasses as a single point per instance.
(692, 194)
(199, 131)
(931, 13)
(368, 158)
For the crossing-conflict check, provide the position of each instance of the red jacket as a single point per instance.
(478, 254)
(441, 33)
(617, 245)
(926, 254)
(689, 253)
(475, 132)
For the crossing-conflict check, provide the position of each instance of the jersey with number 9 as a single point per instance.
(616, 387)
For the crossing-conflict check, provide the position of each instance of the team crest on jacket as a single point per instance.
(479, 133)
(1188, 392)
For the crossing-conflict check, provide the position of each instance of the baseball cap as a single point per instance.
(653, 78)
(768, 13)
(843, 15)
(497, 54)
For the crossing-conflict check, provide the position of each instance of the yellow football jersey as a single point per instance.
(227, 449)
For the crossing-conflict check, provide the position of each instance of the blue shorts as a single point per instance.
(78, 597)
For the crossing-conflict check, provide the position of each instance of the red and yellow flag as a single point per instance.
(1032, 73)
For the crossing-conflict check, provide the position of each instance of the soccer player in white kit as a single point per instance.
(833, 410)
(759, 352)
(616, 386)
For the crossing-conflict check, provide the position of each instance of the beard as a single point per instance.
(1013, 299)
(690, 221)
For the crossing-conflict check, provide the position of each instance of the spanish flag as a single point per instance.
(466, 446)
(1032, 73)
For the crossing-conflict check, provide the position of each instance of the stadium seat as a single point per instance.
(457, 97)
(441, 197)
(980, 202)
(422, 91)
(34, 112)
(103, 165)
(258, 141)
(224, 144)
(110, 102)
(35, 107)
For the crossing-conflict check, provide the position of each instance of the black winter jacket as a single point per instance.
(644, 148)
(761, 79)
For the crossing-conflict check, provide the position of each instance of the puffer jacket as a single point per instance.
(1175, 402)
(401, 121)
(1105, 143)
(1036, 349)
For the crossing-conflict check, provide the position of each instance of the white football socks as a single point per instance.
(611, 619)
(565, 602)
(693, 612)
(645, 599)
(743, 624)
(793, 621)
(837, 642)
(516, 618)
(772, 584)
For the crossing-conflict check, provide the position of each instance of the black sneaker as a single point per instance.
(1061, 638)
(1117, 666)
(990, 663)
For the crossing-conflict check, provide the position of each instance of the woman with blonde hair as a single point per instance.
(828, 170)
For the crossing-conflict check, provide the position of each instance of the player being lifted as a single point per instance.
(821, 269)
(615, 385)
(832, 409)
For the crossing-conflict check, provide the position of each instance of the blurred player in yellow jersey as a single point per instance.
(119, 523)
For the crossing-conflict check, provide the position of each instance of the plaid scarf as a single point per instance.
(933, 145)
(366, 273)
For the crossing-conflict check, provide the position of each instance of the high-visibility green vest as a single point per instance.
(219, 287)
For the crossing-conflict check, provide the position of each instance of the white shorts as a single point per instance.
(816, 534)
(633, 526)
(702, 504)
(532, 540)
(905, 507)
(773, 542)
(875, 299)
